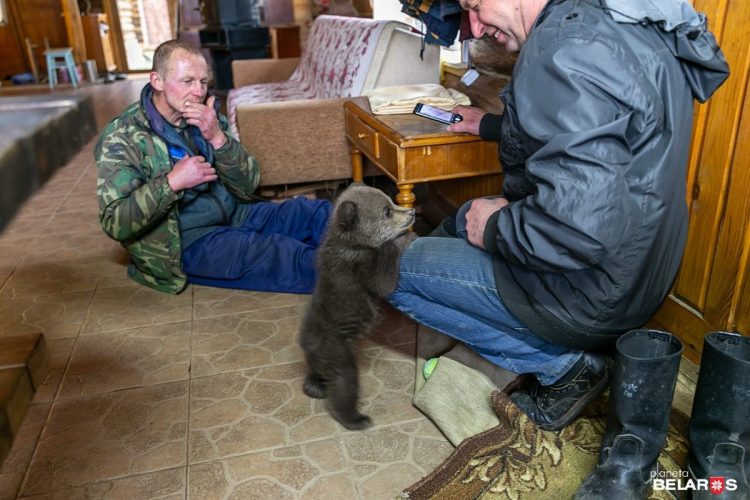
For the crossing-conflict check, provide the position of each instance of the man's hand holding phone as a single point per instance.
(189, 172)
(204, 117)
(472, 117)
(437, 114)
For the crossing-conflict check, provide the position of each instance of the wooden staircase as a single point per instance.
(23, 368)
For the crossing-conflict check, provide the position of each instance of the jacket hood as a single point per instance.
(685, 32)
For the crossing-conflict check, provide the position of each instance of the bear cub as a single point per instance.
(358, 263)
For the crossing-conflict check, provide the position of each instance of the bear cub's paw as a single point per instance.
(354, 421)
(405, 240)
(314, 386)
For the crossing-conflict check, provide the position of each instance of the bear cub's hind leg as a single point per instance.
(314, 386)
(342, 398)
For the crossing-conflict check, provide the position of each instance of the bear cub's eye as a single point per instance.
(387, 211)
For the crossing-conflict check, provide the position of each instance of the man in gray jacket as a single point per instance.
(587, 237)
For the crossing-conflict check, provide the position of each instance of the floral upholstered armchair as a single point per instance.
(289, 112)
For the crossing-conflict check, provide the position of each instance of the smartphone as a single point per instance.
(437, 114)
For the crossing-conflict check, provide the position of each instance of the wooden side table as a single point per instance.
(410, 149)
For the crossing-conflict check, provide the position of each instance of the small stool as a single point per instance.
(60, 58)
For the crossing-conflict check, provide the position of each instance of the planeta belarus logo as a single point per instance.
(671, 480)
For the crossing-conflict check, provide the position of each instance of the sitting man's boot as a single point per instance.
(552, 407)
(640, 401)
(719, 428)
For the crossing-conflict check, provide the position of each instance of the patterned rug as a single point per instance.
(516, 460)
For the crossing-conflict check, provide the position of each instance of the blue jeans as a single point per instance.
(272, 251)
(448, 285)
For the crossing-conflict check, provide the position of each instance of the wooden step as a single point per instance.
(23, 368)
(25, 351)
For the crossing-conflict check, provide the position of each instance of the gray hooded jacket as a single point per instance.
(594, 145)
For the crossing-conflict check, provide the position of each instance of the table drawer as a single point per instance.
(388, 156)
(362, 135)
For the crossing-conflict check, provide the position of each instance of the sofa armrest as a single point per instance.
(252, 71)
(296, 141)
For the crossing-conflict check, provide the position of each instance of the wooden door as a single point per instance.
(712, 290)
(12, 55)
(37, 20)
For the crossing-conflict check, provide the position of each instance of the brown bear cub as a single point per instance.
(358, 264)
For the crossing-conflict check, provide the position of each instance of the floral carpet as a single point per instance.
(516, 460)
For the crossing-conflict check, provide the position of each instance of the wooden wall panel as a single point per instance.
(710, 176)
(711, 292)
(730, 263)
(12, 60)
(33, 19)
(38, 19)
(74, 30)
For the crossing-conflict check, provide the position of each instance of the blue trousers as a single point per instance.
(272, 251)
(449, 285)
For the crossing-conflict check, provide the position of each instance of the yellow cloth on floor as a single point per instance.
(401, 99)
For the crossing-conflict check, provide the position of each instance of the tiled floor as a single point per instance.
(192, 396)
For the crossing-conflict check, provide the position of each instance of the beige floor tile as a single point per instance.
(87, 204)
(239, 412)
(11, 256)
(115, 271)
(48, 277)
(132, 358)
(27, 224)
(110, 436)
(211, 302)
(170, 484)
(387, 386)
(57, 316)
(14, 467)
(6, 271)
(240, 341)
(84, 190)
(71, 245)
(58, 354)
(315, 470)
(387, 460)
(14, 250)
(72, 221)
(42, 202)
(61, 183)
(135, 306)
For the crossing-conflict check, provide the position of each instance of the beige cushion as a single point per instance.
(402, 98)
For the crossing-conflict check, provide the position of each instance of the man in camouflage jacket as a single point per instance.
(176, 189)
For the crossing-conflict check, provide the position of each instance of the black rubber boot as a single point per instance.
(640, 401)
(719, 429)
(552, 407)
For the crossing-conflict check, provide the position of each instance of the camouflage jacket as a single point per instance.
(138, 208)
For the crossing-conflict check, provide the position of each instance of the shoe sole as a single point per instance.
(577, 408)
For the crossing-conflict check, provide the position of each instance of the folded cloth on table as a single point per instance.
(401, 99)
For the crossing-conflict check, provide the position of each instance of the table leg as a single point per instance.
(405, 196)
(357, 175)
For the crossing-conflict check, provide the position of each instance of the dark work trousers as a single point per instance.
(273, 250)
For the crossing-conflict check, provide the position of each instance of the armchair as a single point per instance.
(289, 112)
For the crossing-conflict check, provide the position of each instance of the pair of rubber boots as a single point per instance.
(640, 401)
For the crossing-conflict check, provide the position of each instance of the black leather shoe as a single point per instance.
(552, 407)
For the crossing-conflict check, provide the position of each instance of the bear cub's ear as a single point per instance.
(347, 216)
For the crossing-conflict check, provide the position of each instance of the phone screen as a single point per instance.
(434, 113)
